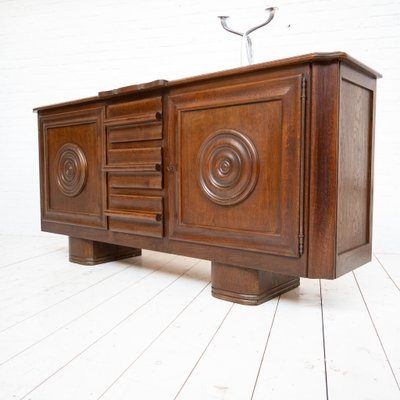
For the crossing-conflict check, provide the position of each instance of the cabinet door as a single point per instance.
(236, 158)
(72, 181)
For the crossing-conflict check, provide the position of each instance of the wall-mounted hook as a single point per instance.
(247, 46)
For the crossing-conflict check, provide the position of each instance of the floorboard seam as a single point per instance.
(204, 351)
(83, 290)
(387, 273)
(154, 340)
(64, 299)
(265, 349)
(323, 340)
(376, 331)
(32, 258)
(107, 332)
(75, 319)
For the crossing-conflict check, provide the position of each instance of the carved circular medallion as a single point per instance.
(228, 167)
(71, 169)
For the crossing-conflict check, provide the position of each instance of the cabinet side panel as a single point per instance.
(355, 170)
(323, 170)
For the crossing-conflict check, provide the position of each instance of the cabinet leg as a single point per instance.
(248, 286)
(89, 252)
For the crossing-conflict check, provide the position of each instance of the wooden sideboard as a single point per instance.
(265, 170)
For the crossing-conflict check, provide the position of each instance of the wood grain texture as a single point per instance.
(323, 171)
(135, 202)
(355, 170)
(248, 286)
(207, 203)
(128, 133)
(140, 87)
(266, 167)
(88, 252)
(139, 110)
(132, 180)
(71, 148)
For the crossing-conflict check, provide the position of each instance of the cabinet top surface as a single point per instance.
(269, 65)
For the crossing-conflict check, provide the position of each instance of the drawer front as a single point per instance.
(134, 167)
(150, 204)
(125, 134)
(138, 110)
(134, 180)
(140, 215)
(135, 224)
(147, 156)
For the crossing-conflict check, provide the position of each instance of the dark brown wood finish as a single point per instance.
(265, 170)
(248, 286)
(236, 149)
(355, 169)
(323, 170)
(73, 189)
(89, 252)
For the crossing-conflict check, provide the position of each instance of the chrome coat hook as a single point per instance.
(247, 45)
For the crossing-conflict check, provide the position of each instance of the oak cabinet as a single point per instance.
(265, 170)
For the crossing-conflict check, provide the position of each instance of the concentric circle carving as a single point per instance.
(228, 167)
(71, 169)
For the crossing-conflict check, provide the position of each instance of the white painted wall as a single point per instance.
(58, 50)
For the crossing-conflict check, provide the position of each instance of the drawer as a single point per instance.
(134, 180)
(137, 223)
(135, 203)
(139, 110)
(125, 134)
(149, 157)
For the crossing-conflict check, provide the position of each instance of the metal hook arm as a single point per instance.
(270, 17)
(271, 11)
(226, 27)
(247, 46)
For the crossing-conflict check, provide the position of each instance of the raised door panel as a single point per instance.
(73, 185)
(237, 159)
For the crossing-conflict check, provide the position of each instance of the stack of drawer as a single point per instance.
(134, 167)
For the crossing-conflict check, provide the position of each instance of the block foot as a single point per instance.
(248, 286)
(89, 252)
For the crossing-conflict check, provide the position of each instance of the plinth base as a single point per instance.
(89, 252)
(248, 286)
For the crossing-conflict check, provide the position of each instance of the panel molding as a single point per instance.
(288, 92)
(91, 117)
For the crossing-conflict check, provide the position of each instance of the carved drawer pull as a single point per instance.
(133, 168)
(135, 215)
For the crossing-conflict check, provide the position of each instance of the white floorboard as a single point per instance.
(22, 374)
(391, 264)
(15, 340)
(229, 366)
(162, 370)
(113, 353)
(382, 299)
(33, 246)
(148, 328)
(357, 367)
(293, 365)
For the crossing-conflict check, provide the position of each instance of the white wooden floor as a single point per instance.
(148, 328)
